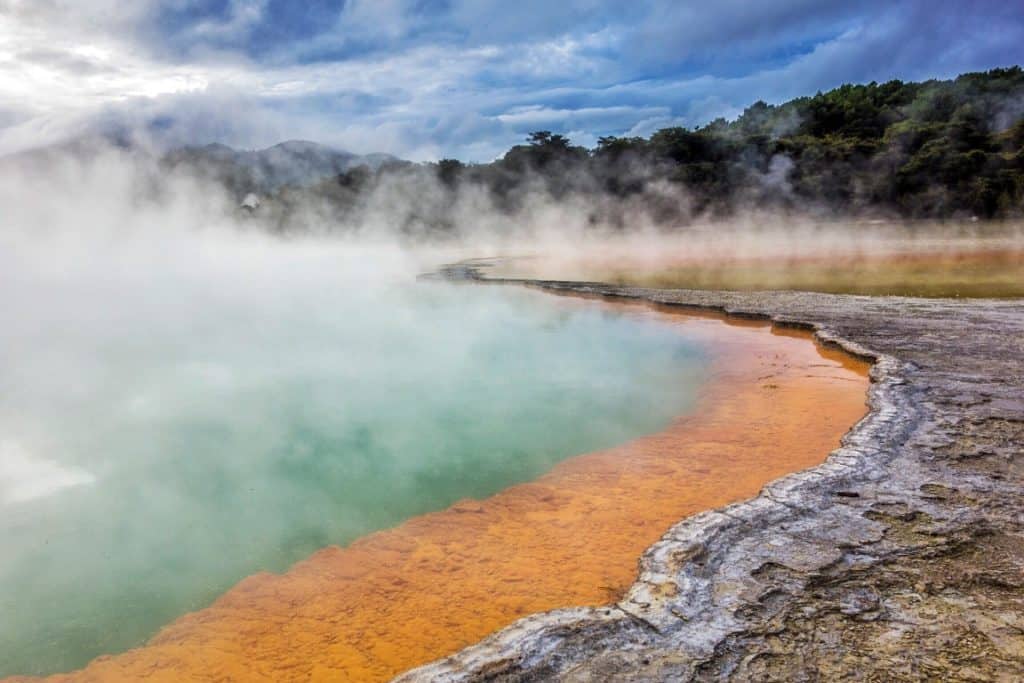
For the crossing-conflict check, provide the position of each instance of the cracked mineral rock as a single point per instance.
(901, 558)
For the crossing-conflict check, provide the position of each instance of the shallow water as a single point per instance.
(921, 260)
(438, 582)
(167, 430)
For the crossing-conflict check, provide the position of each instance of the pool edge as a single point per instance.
(711, 590)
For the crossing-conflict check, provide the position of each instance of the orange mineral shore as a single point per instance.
(774, 403)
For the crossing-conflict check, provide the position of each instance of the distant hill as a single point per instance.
(939, 149)
(935, 149)
(293, 163)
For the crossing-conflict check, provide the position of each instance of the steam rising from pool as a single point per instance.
(179, 410)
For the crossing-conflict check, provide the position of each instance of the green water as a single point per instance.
(163, 437)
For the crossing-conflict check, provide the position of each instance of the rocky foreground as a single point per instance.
(900, 558)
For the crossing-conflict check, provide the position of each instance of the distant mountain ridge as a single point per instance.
(293, 162)
(298, 163)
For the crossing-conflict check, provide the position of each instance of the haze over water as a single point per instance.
(178, 413)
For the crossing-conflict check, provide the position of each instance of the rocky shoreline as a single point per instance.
(899, 558)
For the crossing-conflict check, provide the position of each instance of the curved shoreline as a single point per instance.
(867, 564)
(567, 538)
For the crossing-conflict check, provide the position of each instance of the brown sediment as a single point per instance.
(937, 269)
(774, 403)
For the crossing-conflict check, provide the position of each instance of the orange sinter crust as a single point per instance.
(774, 403)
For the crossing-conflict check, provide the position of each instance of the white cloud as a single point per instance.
(534, 115)
(469, 80)
(50, 72)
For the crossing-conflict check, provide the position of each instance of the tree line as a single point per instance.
(934, 149)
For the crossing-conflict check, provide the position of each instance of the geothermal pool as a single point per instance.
(238, 458)
(169, 427)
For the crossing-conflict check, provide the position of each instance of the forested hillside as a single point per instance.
(937, 149)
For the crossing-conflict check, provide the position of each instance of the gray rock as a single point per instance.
(899, 558)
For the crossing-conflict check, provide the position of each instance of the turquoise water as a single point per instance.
(165, 432)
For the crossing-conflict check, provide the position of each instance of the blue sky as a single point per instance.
(431, 78)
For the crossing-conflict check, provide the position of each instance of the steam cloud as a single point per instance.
(188, 398)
